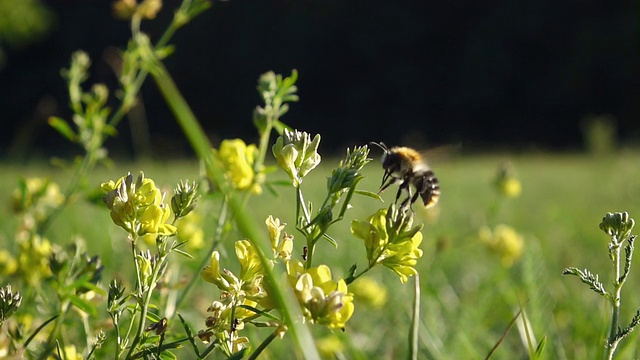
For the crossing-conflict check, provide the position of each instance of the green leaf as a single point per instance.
(331, 240)
(110, 130)
(165, 51)
(280, 126)
(352, 271)
(271, 190)
(168, 355)
(63, 128)
(83, 305)
(152, 317)
(258, 311)
(540, 349)
(369, 194)
(588, 278)
(190, 336)
(280, 182)
(183, 253)
(239, 355)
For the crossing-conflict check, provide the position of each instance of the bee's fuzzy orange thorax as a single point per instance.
(408, 152)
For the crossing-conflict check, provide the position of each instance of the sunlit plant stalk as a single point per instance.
(196, 136)
(93, 150)
(618, 226)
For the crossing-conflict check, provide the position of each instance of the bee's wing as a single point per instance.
(441, 153)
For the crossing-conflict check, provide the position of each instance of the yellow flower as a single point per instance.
(250, 264)
(281, 248)
(403, 256)
(390, 240)
(70, 353)
(238, 160)
(211, 273)
(506, 181)
(126, 9)
(39, 196)
(248, 284)
(510, 187)
(153, 221)
(8, 264)
(504, 241)
(275, 227)
(189, 230)
(33, 258)
(329, 346)
(324, 300)
(369, 291)
(138, 207)
(296, 153)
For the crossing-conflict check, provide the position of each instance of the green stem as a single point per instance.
(116, 327)
(612, 343)
(311, 245)
(64, 308)
(145, 304)
(300, 205)
(87, 163)
(415, 321)
(217, 239)
(352, 279)
(37, 330)
(264, 144)
(263, 346)
(123, 109)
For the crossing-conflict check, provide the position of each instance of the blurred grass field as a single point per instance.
(468, 296)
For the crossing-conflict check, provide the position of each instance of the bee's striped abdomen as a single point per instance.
(428, 186)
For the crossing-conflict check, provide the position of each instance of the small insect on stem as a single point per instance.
(406, 167)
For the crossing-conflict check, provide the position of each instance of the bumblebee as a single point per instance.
(406, 167)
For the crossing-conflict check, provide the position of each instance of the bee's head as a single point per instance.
(389, 159)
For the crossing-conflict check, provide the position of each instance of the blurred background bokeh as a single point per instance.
(541, 75)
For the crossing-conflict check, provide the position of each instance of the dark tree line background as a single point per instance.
(513, 74)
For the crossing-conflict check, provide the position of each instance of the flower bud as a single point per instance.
(9, 303)
(618, 225)
(211, 273)
(185, 199)
(297, 154)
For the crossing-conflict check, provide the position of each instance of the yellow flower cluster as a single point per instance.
(368, 291)
(391, 241)
(190, 231)
(323, 300)
(37, 197)
(32, 263)
(238, 160)
(297, 154)
(138, 206)
(504, 241)
(248, 284)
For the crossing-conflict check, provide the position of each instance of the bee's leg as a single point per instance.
(388, 179)
(407, 203)
(415, 197)
(398, 194)
(404, 186)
